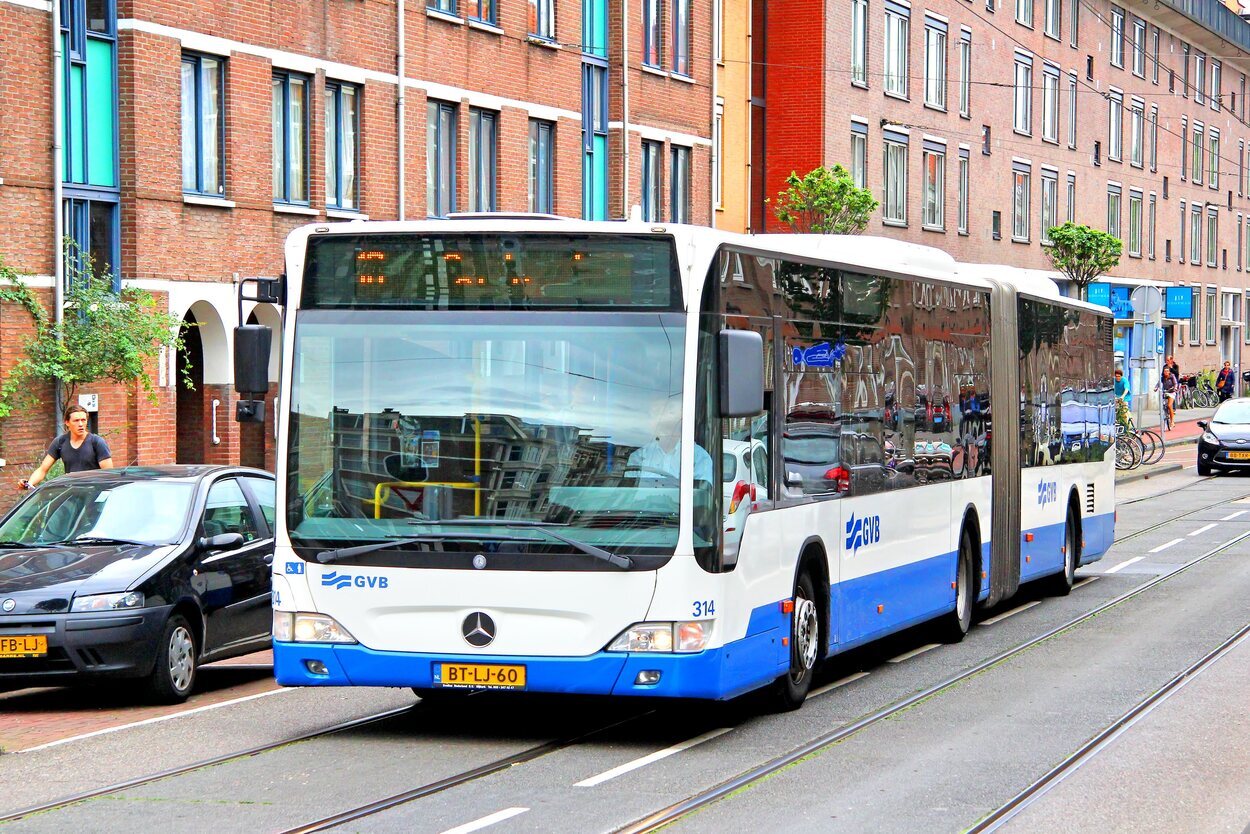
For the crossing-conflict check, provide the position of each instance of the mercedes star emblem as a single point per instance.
(9, 604)
(478, 630)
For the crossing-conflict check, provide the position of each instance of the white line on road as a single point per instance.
(1202, 529)
(1234, 515)
(478, 825)
(843, 682)
(156, 720)
(1010, 613)
(1162, 547)
(909, 655)
(1085, 582)
(1126, 563)
(649, 759)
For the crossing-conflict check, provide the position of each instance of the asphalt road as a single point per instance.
(940, 765)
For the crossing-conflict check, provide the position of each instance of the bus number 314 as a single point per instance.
(705, 608)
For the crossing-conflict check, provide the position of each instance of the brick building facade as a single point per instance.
(199, 135)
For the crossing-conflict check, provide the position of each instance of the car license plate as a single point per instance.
(480, 676)
(1239, 455)
(23, 645)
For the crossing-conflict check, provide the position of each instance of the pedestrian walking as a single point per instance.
(78, 448)
(1224, 382)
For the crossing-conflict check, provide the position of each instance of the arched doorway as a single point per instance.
(190, 401)
(206, 362)
(256, 440)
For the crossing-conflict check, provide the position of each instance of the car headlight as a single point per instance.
(108, 602)
(692, 636)
(1207, 437)
(300, 627)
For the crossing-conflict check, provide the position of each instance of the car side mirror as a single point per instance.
(1202, 424)
(221, 541)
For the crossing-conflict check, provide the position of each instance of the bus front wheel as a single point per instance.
(805, 641)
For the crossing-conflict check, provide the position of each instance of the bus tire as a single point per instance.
(790, 690)
(1061, 583)
(956, 624)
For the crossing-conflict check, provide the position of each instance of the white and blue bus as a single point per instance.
(632, 459)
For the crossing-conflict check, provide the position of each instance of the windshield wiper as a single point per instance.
(14, 545)
(615, 559)
(327, 556)
(102, 540)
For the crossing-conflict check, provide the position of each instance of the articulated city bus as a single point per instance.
(633, 459)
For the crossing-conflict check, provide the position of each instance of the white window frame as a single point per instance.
(894, 205)
(1022, 99)
(1135, 204)
(1051, 17)
(1021, 183)
(859, 154)
(934, 64)
(964, 163)
(1137, 137)
(1115, 127)
(1213, 236)
(1213, 164)
(933, 206)
(1114, 207)
(1072, 110)
(859, 43)
(965, 73)
(1050, 204)
(1050, 104)
(1139, 47)
(1024, 13)
(1117, 37)
(1071, 194)
(897, 29)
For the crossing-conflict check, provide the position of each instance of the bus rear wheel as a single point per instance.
(956, 624)
(805, 641)
(1061, 583)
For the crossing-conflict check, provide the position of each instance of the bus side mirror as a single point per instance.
(741, 373)
(251, 371)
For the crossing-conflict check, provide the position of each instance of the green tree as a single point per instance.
(103, 336)
(824, 201)
(1082, 254)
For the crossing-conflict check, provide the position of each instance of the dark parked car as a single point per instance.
(143, 572)
(1225, 442)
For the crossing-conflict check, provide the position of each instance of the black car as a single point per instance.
(1225, 441)
(143, 572)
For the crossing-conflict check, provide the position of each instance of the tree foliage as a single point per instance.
(824, 201)
(103, 335)
(1082, 254)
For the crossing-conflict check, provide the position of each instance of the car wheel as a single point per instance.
(173, 675)
(805, 641)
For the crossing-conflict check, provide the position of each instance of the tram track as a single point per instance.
(745, 779)
(1173, 519)
(1006, 812)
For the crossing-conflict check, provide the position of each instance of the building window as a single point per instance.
(1185, 70)
(1074, 14)
(203, 127)
(963, 192)
(1198, 156)
(965, 73)
(718, 148)
(1195, 323)
(1024, 12)
(483, 10)
(1022, 120)
(440, 159)
(652, 165)
(1071, 110)
(1139, 48)
(896, 26)
(542, 19)
(542, 166)
(1154, 137)
(1213, 232)
(483, 158)
(1195, 234)
(859, 154)
(1215, 86)
(342, 129)
(1115, 113)
(1184, 148)
(935, 64)
(1052, 13)
(1137, 135)
(679, 185)
(594, 139)
(1213, 166)
(681, 37)
(1050, 203)
(1113, 210)
(1150, 228)
(859, 42)
(1200, 78)
(1154, 51)
(934, 187)
(1134, 223)
(894, 204)
(1210, 314)
(1117, 37)
(448, 6)
(1071, 198)
(1050, 104)
(1020, 205)
(92, 223)
(651, 33)
(290, 138)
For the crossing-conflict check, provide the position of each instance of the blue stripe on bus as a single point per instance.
(1046, 549)
(907, 595)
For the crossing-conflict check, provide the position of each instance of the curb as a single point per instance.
(1138, 475)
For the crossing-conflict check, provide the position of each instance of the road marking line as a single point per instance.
(479, 824)
(909, 655)
(1202, 529)
(843, 682)
(1162, 547)
(650, 758)
(1085, 582)
(1010, 613)
(155, 720)
(1234, 515)
(1127, 562)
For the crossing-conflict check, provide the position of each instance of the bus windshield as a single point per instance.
(400, 420)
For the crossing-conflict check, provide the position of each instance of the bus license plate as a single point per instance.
(24, 645)
(480, 676)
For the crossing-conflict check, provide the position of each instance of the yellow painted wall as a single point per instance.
(733, 87)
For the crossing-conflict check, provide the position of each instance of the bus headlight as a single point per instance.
(690, 636)
(300, 627)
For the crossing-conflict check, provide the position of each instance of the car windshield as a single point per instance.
(1233, 411)
(67, 511)
(816, 449)
(558, 418)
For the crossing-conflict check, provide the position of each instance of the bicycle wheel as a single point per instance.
(1147, 442)
(1139, 450)
(1125, 453)
(1156, 446)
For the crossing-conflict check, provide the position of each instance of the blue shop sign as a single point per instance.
(1178, 303)
(1121, 305)
(1099, 293)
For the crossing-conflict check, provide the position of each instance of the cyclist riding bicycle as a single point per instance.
(1167, 384)
(1122, 389)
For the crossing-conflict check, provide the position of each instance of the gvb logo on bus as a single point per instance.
(339, 581)
(862, 531)
(1047, 493)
